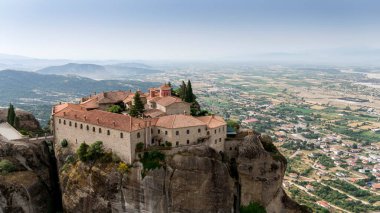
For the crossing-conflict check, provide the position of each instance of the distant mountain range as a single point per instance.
(37, 92)
(94, 71)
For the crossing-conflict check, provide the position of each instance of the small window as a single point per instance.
(75, 124)
(158, 131)
(87, 127)
(108, 132)
(100, 130)
(208, 132)
(220, 139)
(166, 132)
(230, 148)
(93, 129)
(216, 141)
(177, 143)
(188, 141)
(64, 122)
(138, 135)
(215, 131)
(177, 133)
(121, 135)
(81, 126)
(219, 129)
(59, 120)
(199, 130)
(69, 123)
(188, 131)
(151, 131)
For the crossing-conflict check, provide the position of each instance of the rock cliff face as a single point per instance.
(27, 120)
(193, 179)
(28, 188)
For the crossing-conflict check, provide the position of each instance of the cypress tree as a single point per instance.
(138, 107)
(11, 117)
(182, 91)
(190, 97)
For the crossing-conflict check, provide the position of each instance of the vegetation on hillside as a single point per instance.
(252, 207)
(12, 119)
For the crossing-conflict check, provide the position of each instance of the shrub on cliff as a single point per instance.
(6, 167)
(252, 207)
(64, 143)
(82, 152)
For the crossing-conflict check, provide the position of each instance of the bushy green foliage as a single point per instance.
(82, 152)
(93, 152)
(326, 161)
(152, 160)
(115, 109)
(168, 144)
(64, 143)
(253, 207)
(139, 147)
(6, 166)
(267, 143)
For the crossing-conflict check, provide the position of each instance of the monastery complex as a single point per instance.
(166, 119)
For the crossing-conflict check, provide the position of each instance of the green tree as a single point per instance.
(182, 91)
(11, 117)
(82, 152)
(115, 109)
(137, 108)
(189, 97)
(95, 151)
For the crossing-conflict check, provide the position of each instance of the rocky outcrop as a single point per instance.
(27, 121)
(193, 179)
(28, 187)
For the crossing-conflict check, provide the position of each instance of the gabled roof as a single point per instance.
(153, 113)
(168, 100)
(178, 121)
(102, 118)
(212, 121)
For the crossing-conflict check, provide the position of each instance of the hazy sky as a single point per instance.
(185, 29)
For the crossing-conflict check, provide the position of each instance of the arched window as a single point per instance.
(100, 130)
(64, 122)
(220, 139)
(121, 135)
(215, 131)
(108, 132)
(177, 133)
(188, 141)
(199, 130)
(158, 131)
(87, 127)
(216, 141)
(138, 135)
(81, 126)
(188, 131)
(166, 132)
(69, 123)
(59, 121)
(75, 124)
(177, 143)
(93, 129)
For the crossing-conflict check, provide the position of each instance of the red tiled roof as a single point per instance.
(212, 121)
(168, 100)
(153, 113)
(178, 121)
(102, 118)
(165, 87)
